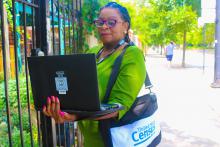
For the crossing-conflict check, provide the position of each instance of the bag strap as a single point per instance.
(115, 72)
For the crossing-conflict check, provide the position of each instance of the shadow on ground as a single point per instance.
(155, 56)
(176, 138)
(179, 66)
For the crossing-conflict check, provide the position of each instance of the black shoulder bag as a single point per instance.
(139, 127)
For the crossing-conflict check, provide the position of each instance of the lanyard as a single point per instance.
(121, 42)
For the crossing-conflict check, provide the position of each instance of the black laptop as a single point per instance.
(73, 79)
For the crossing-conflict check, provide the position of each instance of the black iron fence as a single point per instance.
(54, 26)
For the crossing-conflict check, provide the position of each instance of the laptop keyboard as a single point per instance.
(109, 106)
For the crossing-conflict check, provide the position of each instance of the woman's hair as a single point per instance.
(124, 15)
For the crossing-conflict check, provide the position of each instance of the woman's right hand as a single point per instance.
(53, 110)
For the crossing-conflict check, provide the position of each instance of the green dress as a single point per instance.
(129, 82)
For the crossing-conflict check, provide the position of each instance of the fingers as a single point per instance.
(53, 103)
(49, 106)
(69, 117)
(57, 107)
(52, 109)
(45, 111)
(57, 111)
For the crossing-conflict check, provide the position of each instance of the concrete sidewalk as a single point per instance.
(189, 108)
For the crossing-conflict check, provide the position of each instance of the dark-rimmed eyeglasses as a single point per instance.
(110, 22)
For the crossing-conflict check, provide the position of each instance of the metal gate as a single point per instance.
(55, 27)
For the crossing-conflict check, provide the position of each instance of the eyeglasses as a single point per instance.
(110, 22)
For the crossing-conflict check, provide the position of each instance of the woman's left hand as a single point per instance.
(107, 116)
(53, 110)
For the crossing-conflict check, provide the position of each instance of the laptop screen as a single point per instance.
(72, 78)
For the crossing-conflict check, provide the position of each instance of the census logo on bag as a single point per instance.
(138, 134)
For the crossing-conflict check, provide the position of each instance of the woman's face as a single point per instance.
(111, 34)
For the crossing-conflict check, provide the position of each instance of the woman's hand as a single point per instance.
(107, 116)
(53, 110)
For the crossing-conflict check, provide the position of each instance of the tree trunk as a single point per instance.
(184, 48)
(161, 50)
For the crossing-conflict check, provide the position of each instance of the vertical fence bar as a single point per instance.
(64, 38)
(33, 28)
(64, 134)
(42, 42)
(41, 25)
(74, 51)
(58, 5)
(38, 25)
(45, 135)
(64, 34)
(26, 71)
(38, 129)
(64, 26)
(80, 25)
(53, 40)
(67, 128)
(68, 135)
(58, 136)
(73, 25)
(5, 75)
(34, 46)
(69, 23)
(77, 28)
(17, 72)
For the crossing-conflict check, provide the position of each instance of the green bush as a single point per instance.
(12, 92)
(1, 77)
(15, 124)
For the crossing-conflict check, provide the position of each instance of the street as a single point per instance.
(189, 109)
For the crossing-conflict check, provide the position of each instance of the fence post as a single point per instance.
(42, 23)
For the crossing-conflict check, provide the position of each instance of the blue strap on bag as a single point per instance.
(139, 126)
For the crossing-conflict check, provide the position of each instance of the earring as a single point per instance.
(125, 32)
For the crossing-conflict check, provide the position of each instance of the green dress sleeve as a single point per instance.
(130, 79)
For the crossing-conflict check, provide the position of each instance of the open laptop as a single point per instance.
(73, 79)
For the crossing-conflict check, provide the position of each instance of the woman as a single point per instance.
(113, 24)
(169, 52)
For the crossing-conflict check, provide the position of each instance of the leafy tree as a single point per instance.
(174, 18)
(90, 11)
(183, 20)
(209, 34)
(157, 22)
(146, 23)
(160, 32)
(139, 24)
(195, 37)
(204, 36)
(196, 5)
